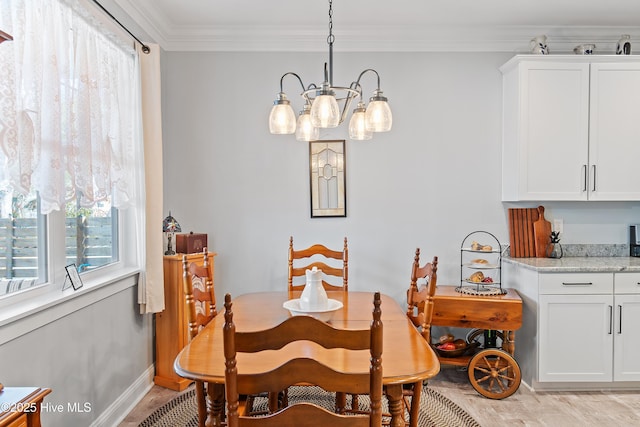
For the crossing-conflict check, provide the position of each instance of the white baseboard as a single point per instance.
(120, 408)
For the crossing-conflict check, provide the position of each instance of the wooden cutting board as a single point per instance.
(515, 228)
(521, 236)
(542, 233)
(512, 236)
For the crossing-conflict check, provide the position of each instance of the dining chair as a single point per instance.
(420, 312)
(334, 265)
(302, 370)
(200, 299)
(201, 306)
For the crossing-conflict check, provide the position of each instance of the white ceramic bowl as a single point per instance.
(325, 314)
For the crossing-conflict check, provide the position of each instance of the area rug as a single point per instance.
(435, 409)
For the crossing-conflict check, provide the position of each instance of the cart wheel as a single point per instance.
(477, 335)
(494, 373)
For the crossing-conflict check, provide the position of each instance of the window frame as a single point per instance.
(24, 303)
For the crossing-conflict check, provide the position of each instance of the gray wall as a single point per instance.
(428, 183)
(92, 355)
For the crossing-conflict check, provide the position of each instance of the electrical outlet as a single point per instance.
(557, 225)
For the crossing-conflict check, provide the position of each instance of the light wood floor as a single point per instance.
(156, 397)
(524, 408)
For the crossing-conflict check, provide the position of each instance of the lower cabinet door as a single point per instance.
(576, 338)
(626, 363)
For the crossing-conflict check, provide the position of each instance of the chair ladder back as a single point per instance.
(302, 370)
(199, 293)
(298, 328)
(420, 300)
(327, 270)
(420, 312)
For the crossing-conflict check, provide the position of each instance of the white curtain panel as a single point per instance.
(73, 92)
(151, 282)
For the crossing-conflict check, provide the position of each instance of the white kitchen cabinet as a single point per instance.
(576, 327)
(614, 134)
(580, 329)
(568, 128)
(626, 327)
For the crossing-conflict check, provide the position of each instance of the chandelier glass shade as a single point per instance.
(358, 124)
(327, 106)
(305, 130)
(325, 112)
(378, 115)
(282, 119)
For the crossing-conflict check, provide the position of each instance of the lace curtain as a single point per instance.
(69, 102)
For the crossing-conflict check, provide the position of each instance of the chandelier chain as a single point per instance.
(331, 37)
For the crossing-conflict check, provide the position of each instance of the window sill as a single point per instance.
(28, 315)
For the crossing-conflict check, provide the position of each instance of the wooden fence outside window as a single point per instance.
(88, 244)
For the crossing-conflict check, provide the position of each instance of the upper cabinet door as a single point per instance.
(614, 131)
(546, 124)
(570, 128)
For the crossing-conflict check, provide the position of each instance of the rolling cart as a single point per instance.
(492, 370)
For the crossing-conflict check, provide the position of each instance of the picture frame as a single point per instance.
(327, 178)
(73, 276)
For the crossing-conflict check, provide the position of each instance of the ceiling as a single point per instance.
(375, 25)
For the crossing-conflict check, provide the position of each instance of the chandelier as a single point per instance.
(327, 106)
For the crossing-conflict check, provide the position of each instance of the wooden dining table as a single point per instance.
(406, 357)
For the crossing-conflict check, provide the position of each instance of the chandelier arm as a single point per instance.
(290, 73)
(312, 88)
(357, 87)
(350, 93)
(363, 73)
(345, 110)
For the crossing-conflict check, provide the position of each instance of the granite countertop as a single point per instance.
(578, 264)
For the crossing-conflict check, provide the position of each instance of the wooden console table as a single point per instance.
(20, 406)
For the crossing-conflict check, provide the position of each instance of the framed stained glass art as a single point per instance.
(327, 172)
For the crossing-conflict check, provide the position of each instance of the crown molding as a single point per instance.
(151, 22)
(513, 39)
(439, 38)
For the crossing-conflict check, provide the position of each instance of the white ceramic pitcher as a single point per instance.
(314, 297)
(538, 45)
(623, 47)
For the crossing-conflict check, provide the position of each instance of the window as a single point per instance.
(71, 147)
(91, 235)
(91, 239)
(21, 239)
